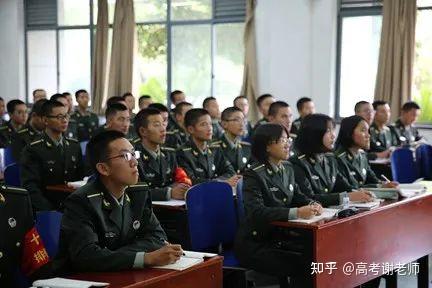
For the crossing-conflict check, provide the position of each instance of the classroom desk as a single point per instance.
(396, 232)
(60, 188)
(206, 275)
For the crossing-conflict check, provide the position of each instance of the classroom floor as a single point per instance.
(404, 281)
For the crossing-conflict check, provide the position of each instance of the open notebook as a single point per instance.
(328, 213)
(189, 259)
(67, 283)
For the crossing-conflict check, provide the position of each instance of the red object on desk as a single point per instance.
(180, 176)
(396, 232)
(204, 275)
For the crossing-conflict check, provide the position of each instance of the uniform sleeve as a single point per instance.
(254, 203)
(31, 179)
(185, 163)
(299, 198)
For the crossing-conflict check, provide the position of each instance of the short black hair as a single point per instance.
(127, 94)
(239, 97)
(179, 107)
(377, 103)
(207, 100)
(275, 106)
(358, 106)
(49, 105)
(57, 96)
(263, 136)
(114, 108)
(37, 107)
(192, 116)
(1, 99)
(226, 114)
(302, 101)
(143, 97)
(262, 98)
(78, 92)
(174, 93)
(97, 148)
(37, 90)
(346, 131)
(141, 119)
(67, 94)
(309, 139)
(159, 106)
(114, 100)
(409, 106)
(10, 106)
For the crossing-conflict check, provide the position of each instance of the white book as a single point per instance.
(171, 202)
(67, 283)
(189, 259)
(365, 205)
(327, 213)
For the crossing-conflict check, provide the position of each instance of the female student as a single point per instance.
(271, 194)
(315, 167)
(352, 141)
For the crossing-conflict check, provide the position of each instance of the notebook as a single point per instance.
(328, 213)
(67, 283)
(189, 259)
(404, 190)
(171, 202)
(365, 205)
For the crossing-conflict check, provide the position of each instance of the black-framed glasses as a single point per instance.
(59, 117)
(127, 155)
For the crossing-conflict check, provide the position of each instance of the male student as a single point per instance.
(39, 94)
(70, 101)
(176, 97)
(120, 100)
(108, 224)
(178, 136)
(212, 106)
(280, 113)
(404, 127)
(31, 130)
(117, 119)
(86, 121)
(382, 138)
(144, 101)
(242, 103)
(365, 110)
(72, 131)
(263, 102)
(2, 111)
(157, 163)
(52, 159)
(305, 106)
(17, 111)
(201, 160)
(163, 111)
(235, 151)
(130, 103)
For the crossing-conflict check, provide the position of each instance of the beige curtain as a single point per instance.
(122, 51)
(396, 56)
(250, 86)
(100, 58)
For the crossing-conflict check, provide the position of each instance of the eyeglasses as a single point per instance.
(285, 140)
(128, 155)
(59, 117)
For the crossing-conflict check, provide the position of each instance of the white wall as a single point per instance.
(12, 57)
(296, 50)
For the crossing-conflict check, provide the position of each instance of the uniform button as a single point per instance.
(254, 233)
(1, 254)
(66, 172)
(285, 199)
(326, 190)
(18, 244)
(361, 182)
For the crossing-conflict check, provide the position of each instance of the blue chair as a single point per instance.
(48, 226)
(212, 218)
(83, 145)
(424, 161)
(404, 169)
(8, 157)
(239, 201)
(12, 175)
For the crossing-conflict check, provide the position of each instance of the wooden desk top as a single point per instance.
(206, 274)
(60, 188)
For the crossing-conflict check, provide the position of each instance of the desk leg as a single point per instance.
(423, 276)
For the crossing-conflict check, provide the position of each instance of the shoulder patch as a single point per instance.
(3, 128)
(245, 143)
(168, 149)
(341, 154)
(136, 140)
(72, 139)
(217, 142)
(186, 149)
(214, 145)
(22, 130)
(94, 195)
(301, 156)
(36, 142)
(258, 167)
(14, 189)
(292, 135)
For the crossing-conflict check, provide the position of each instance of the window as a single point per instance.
(191, 45)
(359, 61)
(422, 82)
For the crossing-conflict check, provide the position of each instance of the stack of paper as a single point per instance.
(78, 184)
(189, 259)
(328, 213)
(171, 202)
(67, 283)
(365, 205)
(410, 190)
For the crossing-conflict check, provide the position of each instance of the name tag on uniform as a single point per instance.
(352, 173)
(378, 143)
(150, 175)
(110, 235)
(402, 138)
(244, 160)
(364, 171)
(333, 179)
(291, 187)
(213, 167)
(51, 162)
(314, 177)
(73, 158)
(274, 189)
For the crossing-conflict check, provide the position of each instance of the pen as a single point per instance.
(385, 178)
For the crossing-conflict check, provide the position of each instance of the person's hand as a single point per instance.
(178, 191)
(233, 180)
(391, 184)
(361, 196)
(168, 254)
(306, 212)
(317, 208)
(384, 154)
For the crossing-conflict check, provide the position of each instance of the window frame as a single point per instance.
(168, 23)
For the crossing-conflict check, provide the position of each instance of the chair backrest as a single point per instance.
(424, 161)
(12, 175)
(8, 156)
(404, 169)
(48, 226)
(211, 215)
(239, 200)
(83, 145)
